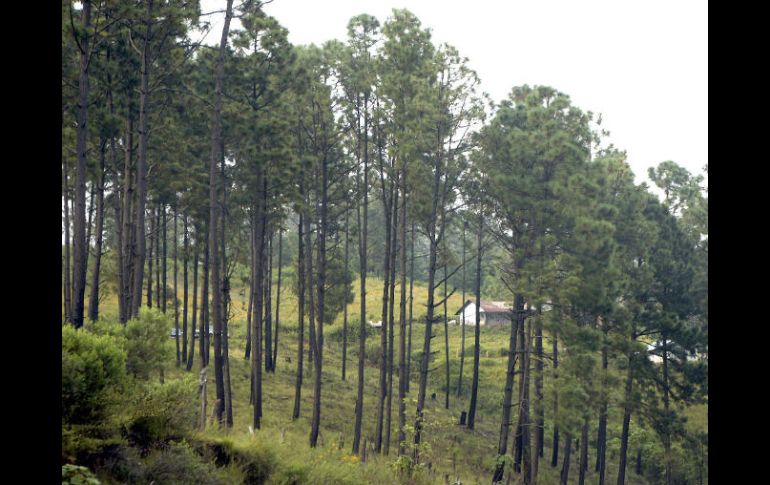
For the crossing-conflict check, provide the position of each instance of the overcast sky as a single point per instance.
(642, 65)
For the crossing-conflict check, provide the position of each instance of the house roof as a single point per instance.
(488, 306)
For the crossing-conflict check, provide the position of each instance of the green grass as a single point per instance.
(454, 450)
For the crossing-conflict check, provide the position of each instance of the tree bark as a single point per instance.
(601, 438)
(626, 424)
(158, 222)
(539, 408)
(186, 256)
(383, 385)
(204, 333)
(268, 304)
(67, 269)
(391, 316)
(345, 306)
(164, 300)
(80, 244)
(476, 328)
(128, 229)
(191, 355)
(505, 422)
(301, 312)
(362, 248)
(141, 167)
(93, 305)
(555, 446)
(151, 257)
(411, 301)
(278, 299)
(462, 323)
(583, 453)
(446, 333)
(565, 462)
(403, 376)
(175, 249)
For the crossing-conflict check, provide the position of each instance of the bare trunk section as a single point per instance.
(391, 316)
(204, 332)
(411, 301)
(80, 244)
(476, 328)
(67, 269)
(191, 355)
(555, 445)
(403, 376)
(93, 304)
(626, 425)
(462, 323)
(269, 304)
(301, 313)
(278, 299)
(176, 303)
(186, 256)
(151, 258)
(141, 167)
(565, 462)
(505, 422)
(583, 453)
(345, 306)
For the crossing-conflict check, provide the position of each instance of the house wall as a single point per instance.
(498, 319)
(470, 316)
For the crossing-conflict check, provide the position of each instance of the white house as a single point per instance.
(491, 313)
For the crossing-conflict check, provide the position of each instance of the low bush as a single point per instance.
(93, 372)
(148, 345)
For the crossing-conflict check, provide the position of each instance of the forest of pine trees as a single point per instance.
(198, 179)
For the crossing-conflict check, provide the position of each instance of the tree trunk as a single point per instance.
(164, 300)
(186, 249)
(252, 283)
(204, 333)
(446, 334)
(666, 413)
(462, 323)
(583, 453)
(128, 225)
(362, 248)
(80, 244)
(601, 438)
(257, 314)
(191, 354)
(301, 312)
(278, 299)
(268, 304)
(477, 328)
(141, 167)
(67, 270)
(158, 221)
(93, 305)
(626, 425)
(539, 408)
(345, 306)
(505, 422)
(383, 385)
(555, 446)
(215, 210)
(151, 258)
(175, 249)
(403, 376)
(391, 315)
(565, 463)
(411, 301)
(321, 282)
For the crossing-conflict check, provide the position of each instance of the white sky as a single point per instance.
(642, 65)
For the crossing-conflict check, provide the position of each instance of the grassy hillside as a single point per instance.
(455, 452)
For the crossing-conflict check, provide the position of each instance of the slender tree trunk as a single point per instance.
(310, 288)
(268, 304)
(462, 323)
(539, 408)
(446, 333)
(278, 299)
(141, 167)
(345, 306)
(204, 333)
(476, 328)
(411, 301)
(524, 431)
(583, 453)
(67, 269)
(151, 258)
(186, 249)
(626, 425)
(638, 468)
(257, 313)
(89, 221)
(228, 403)
(601, 438)
(403, 376)
(214, 212)
(93, 305)
(175, 249)
(565, 462)
(252, 283)
(126, 283)
(80, 244)
(321, 282)
(391, 316)
(505, 422)
(666, 413)
(159, 216)
(191, 354)
(383, 385)
(116, 202)
(301, 312)
(555, 446)
(362, 248)
(164, 300)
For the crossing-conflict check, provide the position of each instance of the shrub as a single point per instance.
(354, 330)
(163, 411)
(148, 345)
(80, 475)
(179, 464)
(93, 369)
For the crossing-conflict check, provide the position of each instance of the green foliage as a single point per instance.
(77, 475)
(178, 463)
(148, 345)
(93, 371)
(162, 411)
